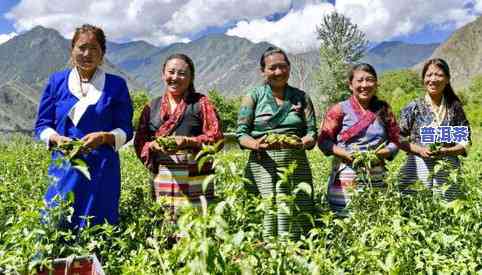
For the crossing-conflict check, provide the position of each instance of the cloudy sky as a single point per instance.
(289, 24)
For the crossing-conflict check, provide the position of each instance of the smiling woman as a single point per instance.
(88, 104)
(354, 127)
(434, 118)
(276, 109)
(172, 129)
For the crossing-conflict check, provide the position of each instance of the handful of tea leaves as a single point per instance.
(284, 140)
(435, 147)
(363, 161)
(71, 152)
(167, 143)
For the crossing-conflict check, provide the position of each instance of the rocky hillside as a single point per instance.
(463, 52)
(398, 55)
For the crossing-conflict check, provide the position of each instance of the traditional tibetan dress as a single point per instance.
(421, 113)
(260, 115)
(65, 110)
(177, 178)
(350, 127)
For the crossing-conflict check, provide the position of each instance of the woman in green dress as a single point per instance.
(278, 108)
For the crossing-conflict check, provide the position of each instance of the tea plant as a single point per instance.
(385, 233)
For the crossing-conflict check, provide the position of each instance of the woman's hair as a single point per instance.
(190, 64)
(269, 51)
(98, 32)
(362, 67)
(448, 92)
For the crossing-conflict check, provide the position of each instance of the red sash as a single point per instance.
(365, 119)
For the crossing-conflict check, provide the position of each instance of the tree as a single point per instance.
(227, 109)
(139, 100)
(399, 87)
(341, 44)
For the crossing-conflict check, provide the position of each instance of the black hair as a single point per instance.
(269, 51)
(190, 64)
(362, 67)
(448, 91)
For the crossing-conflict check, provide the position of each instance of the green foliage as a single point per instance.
(385, 233)
(342, 43)
(399, 87)
(167, 143)
(139, 100)
(472, 99)
(227, 109)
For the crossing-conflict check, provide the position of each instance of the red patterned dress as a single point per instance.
(177, 178)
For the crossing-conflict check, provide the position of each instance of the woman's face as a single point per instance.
(176, 76)
(276, 71)
(435, 80)
(87, 53)
(363, 86)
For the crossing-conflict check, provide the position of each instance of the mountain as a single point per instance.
(394, 55)
(226, 63)
(27, 62)
(129, 55)
(463, 52)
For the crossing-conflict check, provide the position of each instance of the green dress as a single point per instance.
(259, 114)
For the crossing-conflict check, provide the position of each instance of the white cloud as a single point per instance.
(384, 19)
(133, 19)
(6, 36)
(167, 21)
(197, 14)
(478, 6)
(295, 32)
(157, 21)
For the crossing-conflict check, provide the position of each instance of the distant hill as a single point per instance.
(226, 63)
(463, 52)
(394, 55)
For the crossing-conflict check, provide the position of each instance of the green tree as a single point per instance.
(341, 44)
(399, 87)
(227, 109)
(139, 100)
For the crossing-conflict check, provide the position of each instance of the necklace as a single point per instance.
(81, 83)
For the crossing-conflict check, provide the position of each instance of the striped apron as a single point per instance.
(342, 184)
(421, 169)
(180, 183)
(262, 169)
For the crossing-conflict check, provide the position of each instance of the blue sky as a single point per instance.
(6, 26)
(289, 24)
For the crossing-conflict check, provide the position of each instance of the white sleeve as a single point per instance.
(46, 134)
(120, 138)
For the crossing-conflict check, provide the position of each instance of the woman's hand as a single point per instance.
(345, 156)
(156, 148)
(260, 144)
(95, 139)
(57, 139)
(383, 153)
(423, 151)
(307, 142)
